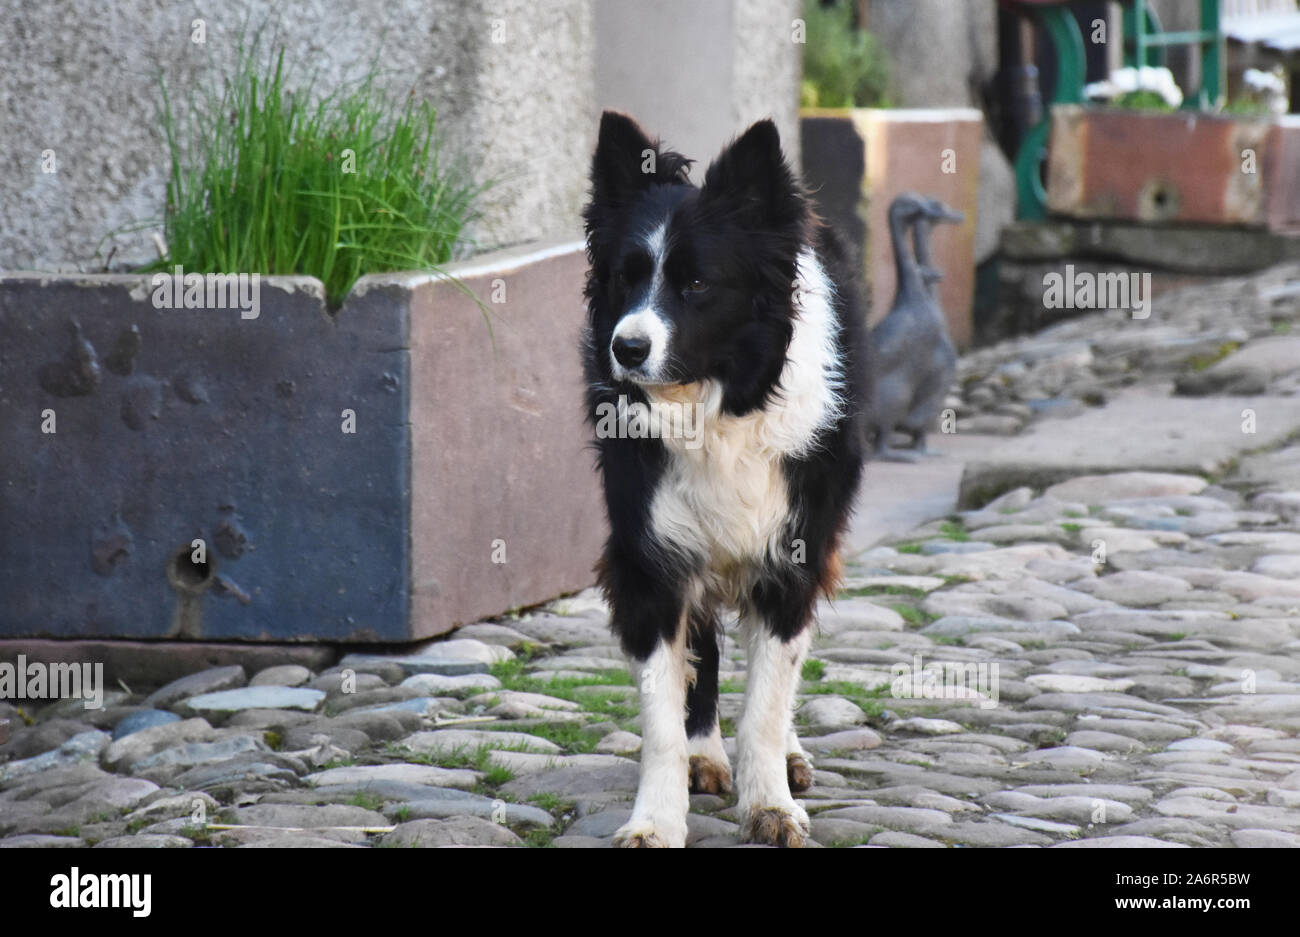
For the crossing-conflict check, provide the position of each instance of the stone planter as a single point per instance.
(1182, 167)
(857, 160)
(380, 473)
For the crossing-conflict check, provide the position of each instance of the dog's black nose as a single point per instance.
(630, 352)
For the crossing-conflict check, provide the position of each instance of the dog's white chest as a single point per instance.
(726, 500)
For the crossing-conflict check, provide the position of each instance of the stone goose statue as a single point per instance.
(914, 358)
(921, 228)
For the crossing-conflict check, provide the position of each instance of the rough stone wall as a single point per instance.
(696, 74)
(81, 80)
(674, 82)
(939, 50)
(767, 67)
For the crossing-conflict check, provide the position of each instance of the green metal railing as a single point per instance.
(1145, 43)
(1063, 31)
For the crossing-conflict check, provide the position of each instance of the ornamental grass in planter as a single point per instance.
(272, 180)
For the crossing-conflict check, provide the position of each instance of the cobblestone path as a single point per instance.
(1150, 700)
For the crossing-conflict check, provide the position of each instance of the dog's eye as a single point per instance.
(695, 287)
(620, 280)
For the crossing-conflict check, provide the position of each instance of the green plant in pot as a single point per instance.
(274, 179)
(842, 66)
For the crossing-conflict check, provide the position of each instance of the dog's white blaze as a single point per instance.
(763, 735)
(662, 797)
(726, 499)
(645, 321)
(656, 243)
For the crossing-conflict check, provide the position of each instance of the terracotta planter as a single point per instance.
(1180, 167)
(857, 160)
(463, 489)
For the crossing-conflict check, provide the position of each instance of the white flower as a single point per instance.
(1262, 81)
(1268, 87)
(1127, 80)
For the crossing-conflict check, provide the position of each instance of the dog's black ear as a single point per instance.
(752, 178)
(626, 160)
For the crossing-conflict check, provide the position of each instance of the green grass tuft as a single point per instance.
(338, 763)
(199, 835)
(573, 737)
(478, 758)
(866, 591)
(270, 176)
(550, 802)
(539, 838)
(496, 775)
(851, 841)
(610, 704)
(954, 530)
(914, 617)
(1202, 362)
(868, 700)
(366, 801)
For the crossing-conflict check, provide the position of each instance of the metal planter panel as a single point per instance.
(177, 424)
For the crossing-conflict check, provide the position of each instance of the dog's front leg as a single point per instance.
(662, 799)
(768, 812)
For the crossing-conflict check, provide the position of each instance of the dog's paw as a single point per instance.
(799, 772)
(786, 827)
(709, 776)
(639, 839)
(644, 834)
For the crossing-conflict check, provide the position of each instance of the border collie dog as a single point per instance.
(717, 302)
